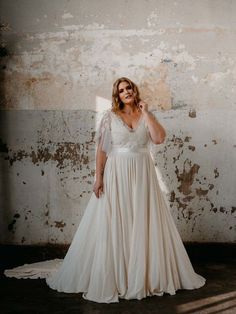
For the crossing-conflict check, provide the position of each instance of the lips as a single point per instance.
(128, 96)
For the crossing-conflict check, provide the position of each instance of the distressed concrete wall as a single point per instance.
(58, 62)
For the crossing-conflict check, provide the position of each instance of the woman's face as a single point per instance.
(126, 93)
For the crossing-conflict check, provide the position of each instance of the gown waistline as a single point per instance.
(129, 150)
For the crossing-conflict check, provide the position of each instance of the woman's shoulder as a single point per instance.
(104, 118)
(107, 114)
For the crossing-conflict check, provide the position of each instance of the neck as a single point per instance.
(129, 108)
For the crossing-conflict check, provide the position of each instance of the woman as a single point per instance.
(127, 245)
(128, 106)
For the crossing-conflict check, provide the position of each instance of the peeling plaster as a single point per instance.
(195, 191)
(187, 176)
(197, 196)
(64, 58)
(67, 15)
(65, 62)
(192, 113)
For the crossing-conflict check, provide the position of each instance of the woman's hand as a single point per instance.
(98, 187)
(156, 130)
(143, 106)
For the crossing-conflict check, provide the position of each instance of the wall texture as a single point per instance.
(58, 62)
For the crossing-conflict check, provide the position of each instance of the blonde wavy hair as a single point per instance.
(117, 104)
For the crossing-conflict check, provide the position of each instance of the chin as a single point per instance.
(129, 102)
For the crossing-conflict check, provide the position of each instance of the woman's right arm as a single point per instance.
(101, 159)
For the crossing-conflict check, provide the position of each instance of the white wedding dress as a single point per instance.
(127, 245)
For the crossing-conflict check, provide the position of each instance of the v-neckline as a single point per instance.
(126, 125)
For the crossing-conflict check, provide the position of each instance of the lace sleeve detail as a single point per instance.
(103, 133)
(152, 112)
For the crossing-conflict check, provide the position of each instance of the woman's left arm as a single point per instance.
(157, 132)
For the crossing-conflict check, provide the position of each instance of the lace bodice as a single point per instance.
(113, 132)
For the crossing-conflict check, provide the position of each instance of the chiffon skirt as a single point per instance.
(127, 245)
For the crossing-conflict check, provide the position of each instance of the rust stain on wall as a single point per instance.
(211, 186)
(11, 226)
(155, 89)
(222, 209)
(188, 198)
(216, 172)
(187, 176)
(192, 113)
(187, 138)
(44, 90)
(60, 225)
(30, 82)
(61, 153)
(181, 205)
(195, 197)
(191, 147)
(177, 141)
(201, 192)
(172, 196)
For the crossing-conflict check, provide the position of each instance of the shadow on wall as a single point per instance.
(8, 211)
(5, 55)
(5, 182)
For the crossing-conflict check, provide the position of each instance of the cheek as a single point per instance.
(121, 96)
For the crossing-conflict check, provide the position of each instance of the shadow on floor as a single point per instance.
(34, 296)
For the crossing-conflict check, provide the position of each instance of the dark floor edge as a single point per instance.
(14, 255)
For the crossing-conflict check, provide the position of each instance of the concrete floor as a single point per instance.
(34, 296)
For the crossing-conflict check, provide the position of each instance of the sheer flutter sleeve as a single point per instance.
(103, 133)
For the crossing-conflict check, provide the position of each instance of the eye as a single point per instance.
(121, 91)
(129, 87)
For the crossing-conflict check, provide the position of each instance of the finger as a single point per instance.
(100, 192)
(96, 192)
